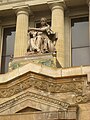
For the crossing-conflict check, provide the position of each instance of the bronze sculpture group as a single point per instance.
(41, 40)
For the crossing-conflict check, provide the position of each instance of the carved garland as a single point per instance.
(44, 85)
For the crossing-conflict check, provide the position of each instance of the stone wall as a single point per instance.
(61, 115)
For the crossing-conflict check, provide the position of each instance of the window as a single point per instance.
(80, 41)
(7, 47)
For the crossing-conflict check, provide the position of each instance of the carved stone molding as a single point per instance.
(82, 98)
(43, 83)
(36, 97)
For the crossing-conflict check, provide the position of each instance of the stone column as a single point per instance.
(58, 27)
(21, 32)
(89, 21)
(89, 25)
(67, 40)
(0, 45)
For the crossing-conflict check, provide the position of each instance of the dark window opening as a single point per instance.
(7, 47)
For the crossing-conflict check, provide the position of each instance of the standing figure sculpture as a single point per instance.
(43, 39)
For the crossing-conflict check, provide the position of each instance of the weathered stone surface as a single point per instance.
(43, 59)
(44, 70)
(45, 89)
(54, 103)
(44, 83)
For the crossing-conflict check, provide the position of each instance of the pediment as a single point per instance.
(32, 101)
(32, 105)
(16, 89)
(28, 109)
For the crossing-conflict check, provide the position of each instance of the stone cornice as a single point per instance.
(56, 4)
(22, 9)
(36, 97)
(47, 84)
(44, 70)
(31, 80)
(9, 4)
(55, 1)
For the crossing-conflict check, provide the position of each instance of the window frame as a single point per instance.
(76, 17)
(2, 39)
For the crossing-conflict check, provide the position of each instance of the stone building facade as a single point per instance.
(34, 91)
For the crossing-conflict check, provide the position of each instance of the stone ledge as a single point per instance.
(44, 59)
(35, 56)
(44, 70)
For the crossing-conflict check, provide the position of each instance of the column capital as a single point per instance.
(88, 2)
(58, 4)
(23, 9)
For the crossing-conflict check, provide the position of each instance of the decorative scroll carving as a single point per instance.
(37, 97)
(42, 83)
(82, 98)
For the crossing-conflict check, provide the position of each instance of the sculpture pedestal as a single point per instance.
(47, 59)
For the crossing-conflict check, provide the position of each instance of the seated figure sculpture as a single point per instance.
(41, 40)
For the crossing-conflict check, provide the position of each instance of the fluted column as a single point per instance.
(21, 32)
(58, 27)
